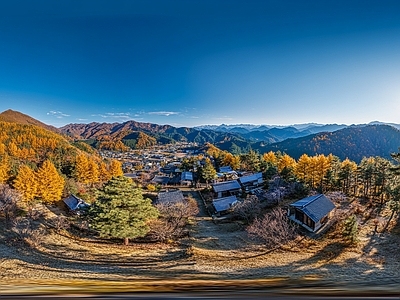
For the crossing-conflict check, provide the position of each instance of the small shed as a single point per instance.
(75, 203)
(226, 188)
(222, 205)
(174, 196)
(311, 212)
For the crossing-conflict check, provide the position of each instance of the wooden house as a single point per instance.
(251, 181)
(226, 188)
(173, 196)
(311, 212)
(223, 205)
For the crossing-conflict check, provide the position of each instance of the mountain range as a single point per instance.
(352, 141)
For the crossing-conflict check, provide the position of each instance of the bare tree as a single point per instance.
(273, 229)
(248, 210)
(173, 219)
(8, 201)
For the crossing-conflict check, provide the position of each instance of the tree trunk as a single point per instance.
(126, 241)
(388, 222)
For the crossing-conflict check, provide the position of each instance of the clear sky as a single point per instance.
(193, 62)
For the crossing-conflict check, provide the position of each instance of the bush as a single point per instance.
(273, 229)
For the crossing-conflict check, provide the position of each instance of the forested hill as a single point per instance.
(127, 132)
(12, 116)
(353, 142)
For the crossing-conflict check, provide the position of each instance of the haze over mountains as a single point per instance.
(352, 141)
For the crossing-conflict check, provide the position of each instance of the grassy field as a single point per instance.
(215, 256)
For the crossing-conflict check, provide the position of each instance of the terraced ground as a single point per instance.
(214, 255)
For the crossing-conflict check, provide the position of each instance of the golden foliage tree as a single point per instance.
(285, 162)
(4, 169)
(93, 171)
(271, 158)
(26, 183)
(82, 168)
(115, 168)
(50, 183)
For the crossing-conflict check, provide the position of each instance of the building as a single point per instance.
(311, 212)
(250, 181)
(173, 196)
(226, 188)
(222, 205)
(75, 204)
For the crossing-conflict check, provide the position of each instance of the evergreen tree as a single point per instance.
(207, 172)
(350, 229)
(120, 210)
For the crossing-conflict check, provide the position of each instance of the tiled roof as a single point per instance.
(250, 178)
(223, 204)
(225, 169)
(316, 207)
(170, 196)
(187, 176)
(226, 186)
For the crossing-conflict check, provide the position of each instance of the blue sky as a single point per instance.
(193, 62)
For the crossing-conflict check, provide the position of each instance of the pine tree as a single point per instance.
(350, 229)
(120, 210)
(26, 183)
(50, 183)
(207, 172)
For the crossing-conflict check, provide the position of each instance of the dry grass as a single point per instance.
(214, 254)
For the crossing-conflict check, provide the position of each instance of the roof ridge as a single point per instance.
(316, 197)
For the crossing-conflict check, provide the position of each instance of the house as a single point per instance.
(186, 178)
(222, 205)
(172, 197)
(75, 204)
(311, 212)
(162, 180)
(225, 169)
(226, 188)
(252, 180)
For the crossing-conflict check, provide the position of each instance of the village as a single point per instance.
(161, 170)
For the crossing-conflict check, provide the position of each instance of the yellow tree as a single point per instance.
(2, 149)
(271, 158)
(93, 171)
(4, 169)
(82, 168)
(115, 168)
(285, 162)
(104, 175)
(231, 160)
(25, 182)
(50, 183)
(302, 168)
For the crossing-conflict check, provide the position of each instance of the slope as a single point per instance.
(353, 142)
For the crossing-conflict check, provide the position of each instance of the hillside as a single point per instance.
(353, 142)
(12, 116)
(128, 133)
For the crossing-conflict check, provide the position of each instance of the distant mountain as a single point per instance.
(353, 142)
(12, 116)
(162, 133)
